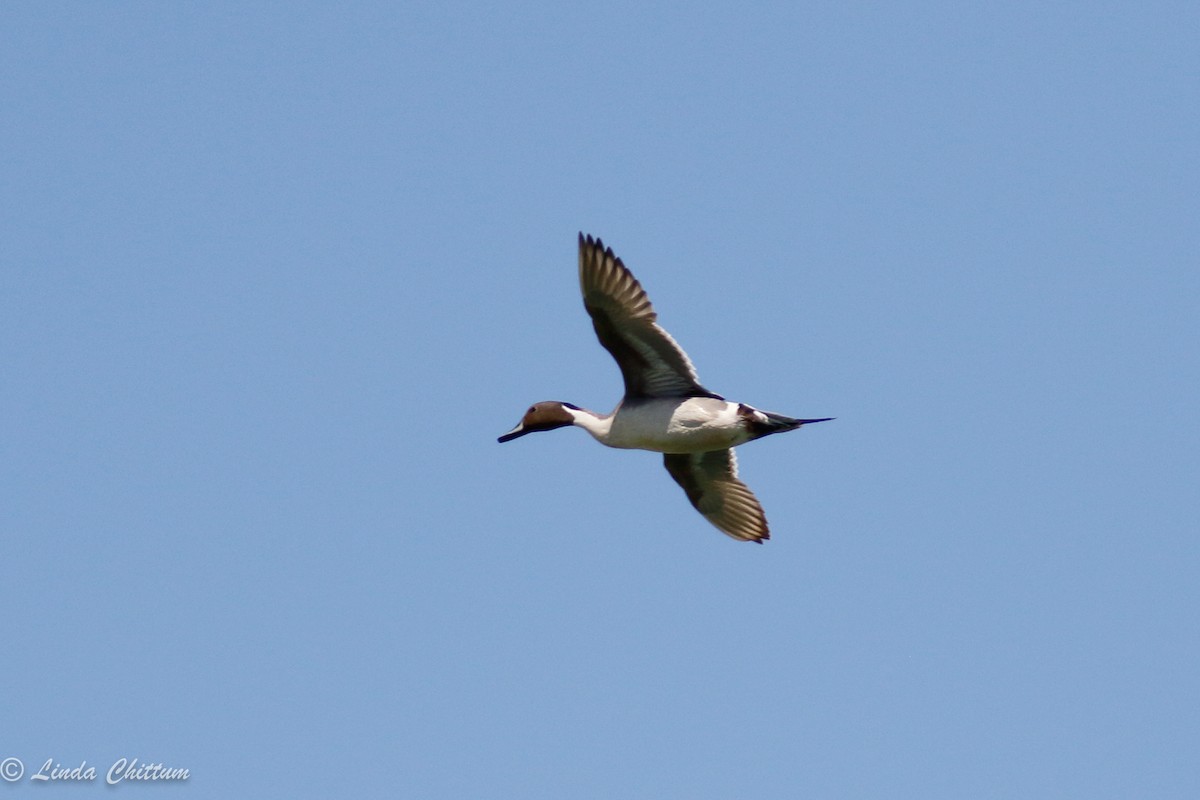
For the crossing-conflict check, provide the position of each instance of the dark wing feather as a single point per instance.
(651, 363)
(711, 484)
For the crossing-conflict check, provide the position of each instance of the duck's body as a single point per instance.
(670, 425)
(665, 409)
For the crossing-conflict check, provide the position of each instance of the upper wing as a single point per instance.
(711, 483)
(651, 363)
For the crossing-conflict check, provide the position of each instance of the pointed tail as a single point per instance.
(778, 423)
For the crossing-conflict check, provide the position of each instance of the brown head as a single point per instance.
(544, 416)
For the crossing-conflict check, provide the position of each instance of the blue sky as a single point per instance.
(274, 277)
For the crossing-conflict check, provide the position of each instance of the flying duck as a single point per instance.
(665, 408)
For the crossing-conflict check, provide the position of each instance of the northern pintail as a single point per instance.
(665, 409)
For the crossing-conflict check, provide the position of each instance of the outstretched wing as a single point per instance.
(651, 363)
(711, 483)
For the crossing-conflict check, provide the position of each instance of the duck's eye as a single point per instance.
(530, 411)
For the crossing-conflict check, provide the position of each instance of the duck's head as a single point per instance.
(544, 416)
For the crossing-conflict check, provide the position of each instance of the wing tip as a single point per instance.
(587, 241)
(759, 538)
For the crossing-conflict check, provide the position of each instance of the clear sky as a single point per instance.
(273, 277)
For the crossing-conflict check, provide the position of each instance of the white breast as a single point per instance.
(670, 425)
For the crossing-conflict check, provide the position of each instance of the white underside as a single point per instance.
(669, 425)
